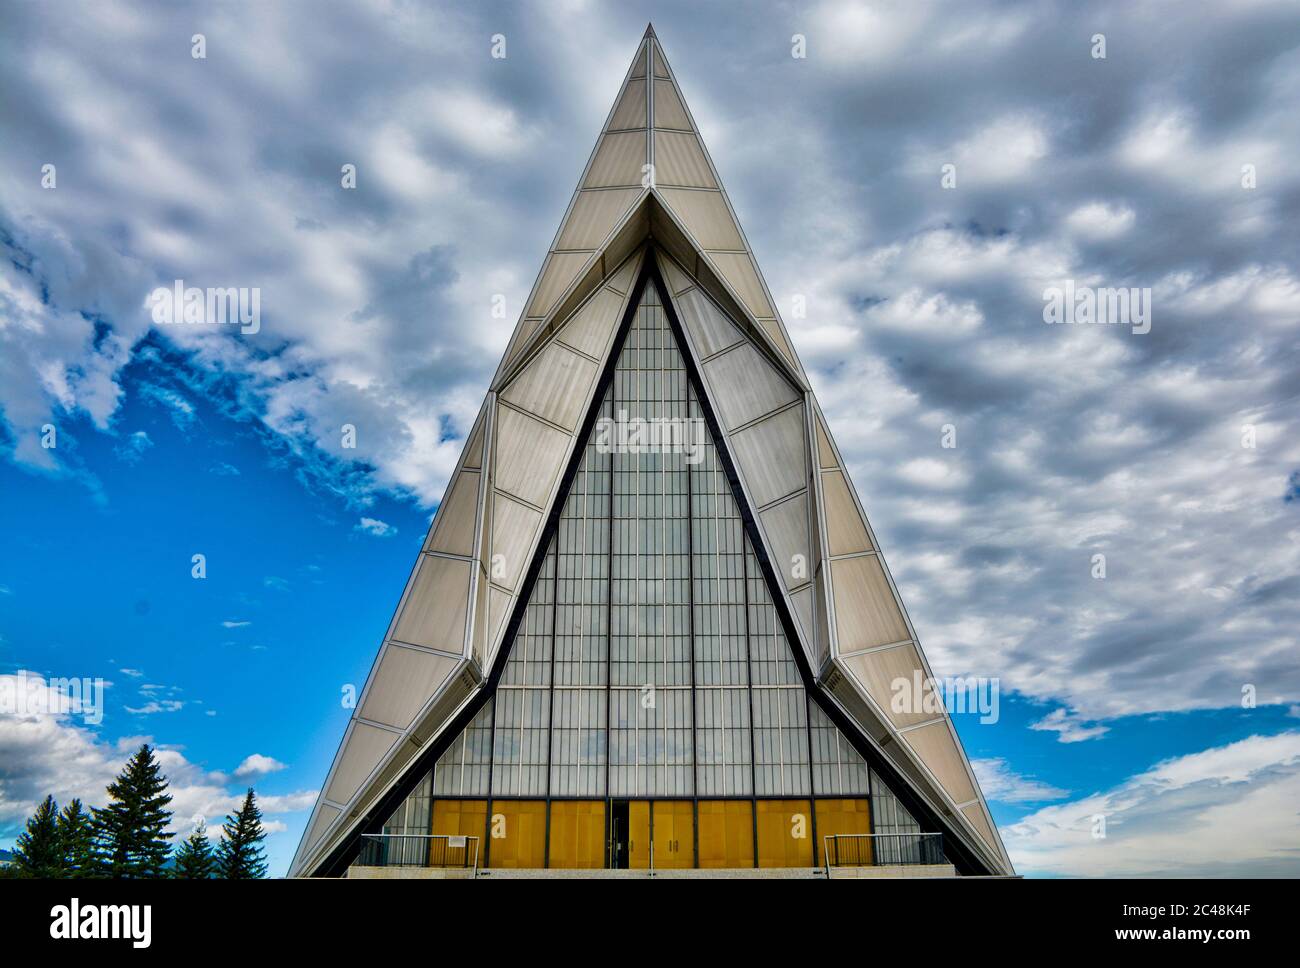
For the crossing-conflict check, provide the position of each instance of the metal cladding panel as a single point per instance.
(676, 280)
(804, 603)
(591, 328)
(618, 161)
(433, 614)
(706, 217)
(935, 746)
(823, 617)
(631, 109)
(474, 446)
(528, 456)
(514, 526)
(403, 683)
(560, 271)
(738, 270)
(620, 280)
(772, 456)
(669, 110)
(845, 532)
(325, 815)
(593, 217)
(866, 614)
(679, 160)
(453, 529)
(975, 814)
(745, 386)
(362, 751)
(498, 610)
(880, 672)
(825, 452)
(555, 386)
(660, 68)
(786, 528)
(710, 330)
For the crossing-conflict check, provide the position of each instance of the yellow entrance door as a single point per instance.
(638, 834)
(674, 834)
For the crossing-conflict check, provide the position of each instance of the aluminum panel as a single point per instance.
(771, 455)
(825, 451)
(631, 109)
(363, 749)
(890, 678)
(433, 614)
(453, 529)
(710, 330)
(560, 271)
(845, 532)
(593, 217)
(528, 456)
(745, 386)
(866, 614)
(592, 326)
(669, 110)
(555, 385)
(936, 749)
(706, 217)
(514, 527)
(679, 160)
(618, 160)
(738, 270)
(402, 684)
(786, 527)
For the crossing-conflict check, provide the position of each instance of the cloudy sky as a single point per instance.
(1165, 696)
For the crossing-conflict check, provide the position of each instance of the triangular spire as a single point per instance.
(466, 597)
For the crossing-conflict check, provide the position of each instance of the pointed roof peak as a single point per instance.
(649, 31)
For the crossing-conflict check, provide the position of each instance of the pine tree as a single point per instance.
(194, 858)
(77, 840)
(131, 832)
(38, 851)
(240, 855)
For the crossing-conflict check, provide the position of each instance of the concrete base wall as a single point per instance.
(729, 873)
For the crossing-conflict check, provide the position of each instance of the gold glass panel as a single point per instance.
(844, 817)
(518, 833)
(785, 837)
(461, 818)
(726, 833)
(577, 834)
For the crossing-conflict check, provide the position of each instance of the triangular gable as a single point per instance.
(484, 541)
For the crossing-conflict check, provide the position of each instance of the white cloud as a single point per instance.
(231, 624)
(1229, 811)
(1069, 727)
(257, 764)
(999, 782)
(380, 529)
(49, 753)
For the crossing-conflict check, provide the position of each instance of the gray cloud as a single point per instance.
(925, 304)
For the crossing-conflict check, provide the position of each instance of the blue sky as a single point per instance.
(1120, 696)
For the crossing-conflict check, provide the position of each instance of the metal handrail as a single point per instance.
(419, 850)
(849, 850)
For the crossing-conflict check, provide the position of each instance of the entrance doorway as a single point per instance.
(618, 834)
(648, 834)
